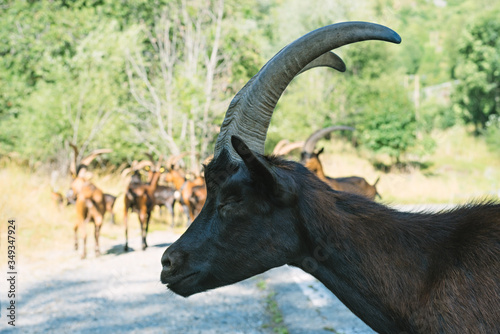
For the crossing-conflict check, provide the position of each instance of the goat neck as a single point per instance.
(413, 272)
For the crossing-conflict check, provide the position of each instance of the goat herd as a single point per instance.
(399, 272)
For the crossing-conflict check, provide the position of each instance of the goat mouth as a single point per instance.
(175, 284)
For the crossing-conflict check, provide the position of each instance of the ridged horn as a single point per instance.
(317, 135)
(250, 111)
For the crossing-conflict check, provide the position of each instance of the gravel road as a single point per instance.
(121, 293)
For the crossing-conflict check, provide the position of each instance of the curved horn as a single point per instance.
(128, 170)
(89, 158)
(279, 146)
(250, 111)
(172, 161)
(328, 59)
(313, 139)
(141, 164)
(290, 147)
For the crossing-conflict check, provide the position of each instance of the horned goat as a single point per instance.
(89, 200)
(164, 195)
(140, 198)
(397, 271)
(191, 191)
(352, 184)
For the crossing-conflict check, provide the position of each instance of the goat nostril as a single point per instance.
(166, 261)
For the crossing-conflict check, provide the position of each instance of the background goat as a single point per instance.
(89, 200)
(190, 191)
(140, 197)
(399, 272)
(164, 196)
(352, 184)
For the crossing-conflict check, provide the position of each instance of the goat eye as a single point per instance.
(229, 201)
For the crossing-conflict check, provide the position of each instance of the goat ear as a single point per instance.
(282, 190)
(320, 151)
(258, 170)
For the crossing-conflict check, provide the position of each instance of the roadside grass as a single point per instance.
(275, 316)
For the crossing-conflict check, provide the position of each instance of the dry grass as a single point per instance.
(43, 227)
(461, 169)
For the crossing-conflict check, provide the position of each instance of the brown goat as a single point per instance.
(109, 200)
(89, 200)
(352, 184)
(194, 193)
(399, 272)
(191, 191)
(140, 197)
(164, 196)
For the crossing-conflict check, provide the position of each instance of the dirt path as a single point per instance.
(121, 293)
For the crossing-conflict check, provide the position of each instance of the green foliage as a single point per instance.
(477, 95)
(66, 72)
(436, 115)
(492, 133)
(69, 80)
(385, 118)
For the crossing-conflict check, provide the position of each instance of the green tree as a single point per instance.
(66, 80)
(477, 95)
(385, 118)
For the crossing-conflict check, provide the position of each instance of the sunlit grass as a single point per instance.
(462, 168)
(44, 227)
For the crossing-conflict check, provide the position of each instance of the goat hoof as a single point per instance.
(83, 256)
(144, 247)
(125, 248)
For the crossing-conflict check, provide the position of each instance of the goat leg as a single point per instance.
(125, 221)
(98, 224)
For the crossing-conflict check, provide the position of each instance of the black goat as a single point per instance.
(165, 197)
(399, 272)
